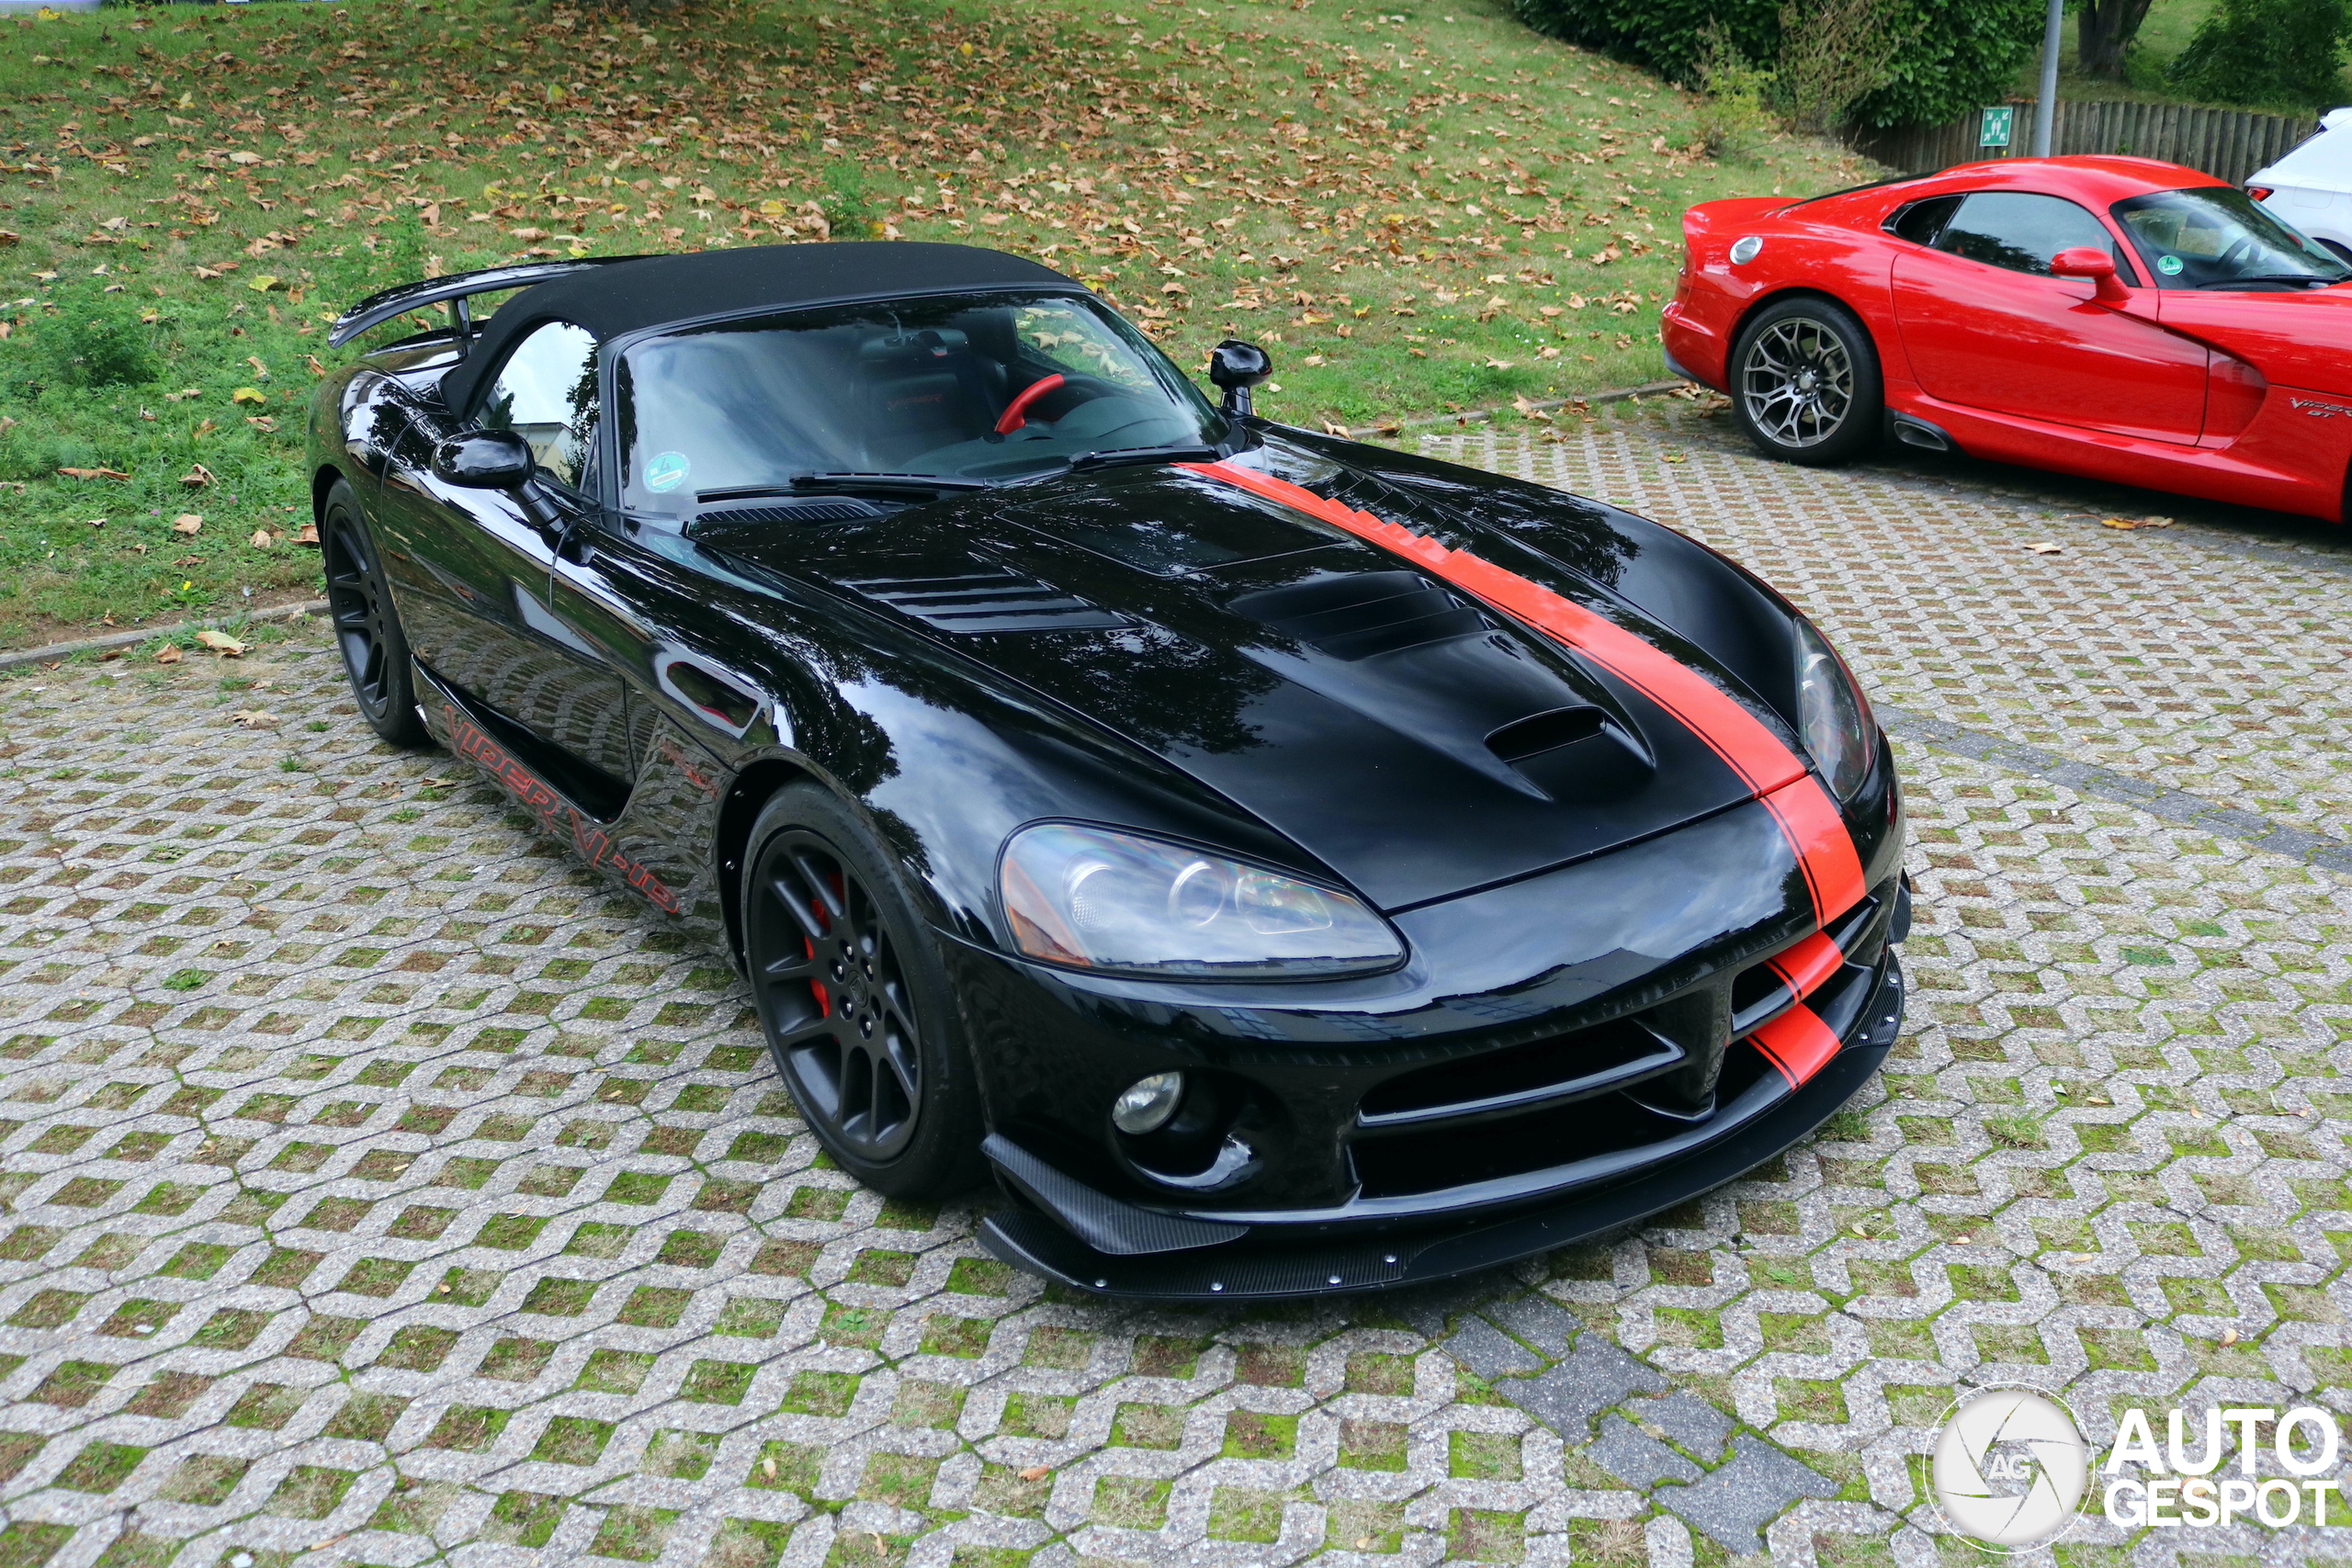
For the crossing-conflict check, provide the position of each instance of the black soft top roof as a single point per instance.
(628, 296)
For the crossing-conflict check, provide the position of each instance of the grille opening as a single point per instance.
(1539, 733)
(1363, 613)
(1589, 1061)
(1753, 988)
(1431, 1160)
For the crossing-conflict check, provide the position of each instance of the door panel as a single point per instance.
(1989, 337)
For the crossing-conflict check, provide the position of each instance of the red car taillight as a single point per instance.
(2259, 193)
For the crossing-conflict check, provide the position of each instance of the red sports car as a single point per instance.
(2117, 318)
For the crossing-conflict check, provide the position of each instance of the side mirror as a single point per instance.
(2089, 261)
(484, 459)
(1236, 366)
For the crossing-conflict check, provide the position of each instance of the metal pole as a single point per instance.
(2045, 109)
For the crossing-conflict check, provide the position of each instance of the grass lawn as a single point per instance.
(1419, 208)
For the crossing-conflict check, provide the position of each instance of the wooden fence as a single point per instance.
(2229, 145)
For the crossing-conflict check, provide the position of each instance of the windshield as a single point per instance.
(2216, 237)
(970, 388)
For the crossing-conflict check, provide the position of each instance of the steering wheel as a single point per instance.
(1084, 388)
(2228, 259)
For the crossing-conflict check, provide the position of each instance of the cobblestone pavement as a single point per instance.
(380, 1188)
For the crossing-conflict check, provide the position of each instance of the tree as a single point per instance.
(1953, 55)
(2269, 51)
(2103, 31)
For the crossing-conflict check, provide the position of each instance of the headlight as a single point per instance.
(1833, 718)
(1092, 898)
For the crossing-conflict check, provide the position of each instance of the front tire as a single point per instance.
(855, 1000)
(367, 624)
(1805, 383)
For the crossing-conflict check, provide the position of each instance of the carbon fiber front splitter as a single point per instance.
(1277, 1260)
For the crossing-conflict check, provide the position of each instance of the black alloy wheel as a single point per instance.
(853, 1001)
(367, 625)
(1806, 384)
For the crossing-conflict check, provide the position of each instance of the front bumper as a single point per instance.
(1130, 1251)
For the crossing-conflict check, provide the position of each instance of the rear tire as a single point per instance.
(855, 1000)
(1806, 385)
(367, 624)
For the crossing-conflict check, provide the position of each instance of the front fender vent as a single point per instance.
(971, 603)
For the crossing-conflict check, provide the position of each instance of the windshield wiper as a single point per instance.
(1117, 456)
(2307, 279)
(929, 483)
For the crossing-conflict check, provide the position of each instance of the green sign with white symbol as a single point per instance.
(1994, 131)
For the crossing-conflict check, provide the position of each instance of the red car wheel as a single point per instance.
(1805, 383)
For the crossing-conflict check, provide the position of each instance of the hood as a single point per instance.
(1414, 743)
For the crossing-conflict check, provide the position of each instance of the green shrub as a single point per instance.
(2267, 51)
(1732, 121)
(1954, 55)
(96, 339)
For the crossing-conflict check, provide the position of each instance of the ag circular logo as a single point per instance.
(2009, 1469)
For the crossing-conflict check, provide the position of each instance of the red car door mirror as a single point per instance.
(2088, 261)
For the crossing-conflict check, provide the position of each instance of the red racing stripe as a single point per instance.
(1799, 804)
(1797, 1042)
(1807, 966)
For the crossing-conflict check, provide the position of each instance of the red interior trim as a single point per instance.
(1799, 804)
(1016, 413)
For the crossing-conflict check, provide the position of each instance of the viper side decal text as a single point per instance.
(593, 844)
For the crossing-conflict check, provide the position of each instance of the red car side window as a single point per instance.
(2021, 231)
(1921, 222)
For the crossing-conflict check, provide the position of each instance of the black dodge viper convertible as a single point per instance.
(1286, 865)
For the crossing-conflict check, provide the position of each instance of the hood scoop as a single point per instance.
(1363, 614)
(971, 603)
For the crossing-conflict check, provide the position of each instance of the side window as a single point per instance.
(547, 390)
(1922, 220)
(2021, 232)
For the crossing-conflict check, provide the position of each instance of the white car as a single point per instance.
(2311, 187)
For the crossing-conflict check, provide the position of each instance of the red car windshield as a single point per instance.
(2216, 237)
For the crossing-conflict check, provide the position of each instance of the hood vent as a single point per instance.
(1364, 614)
(830, 509)
(974, 602)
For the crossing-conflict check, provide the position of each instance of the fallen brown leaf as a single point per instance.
(261, 540)
(169, 656)
(197, 477)
(254, 718)
(220, 643)
(188, 522)
(2046, 549)
(308, 536)
(1036, 1473)
(94, 473)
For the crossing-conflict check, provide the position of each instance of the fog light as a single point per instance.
(1147, 1105)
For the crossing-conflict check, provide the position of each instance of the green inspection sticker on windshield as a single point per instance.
(666, 470)
(2169, 266)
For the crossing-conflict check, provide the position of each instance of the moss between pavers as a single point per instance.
(1251, 1435)
(1135, 1502)
(787, 1467)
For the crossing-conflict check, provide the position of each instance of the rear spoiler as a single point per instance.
(454, 290)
